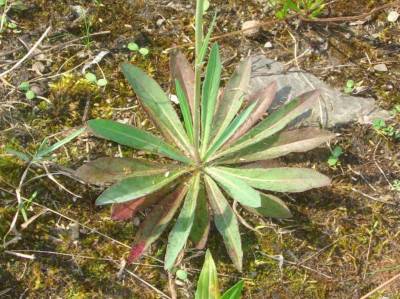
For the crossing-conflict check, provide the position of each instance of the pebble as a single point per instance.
(393, 16)
(250, 24)
(380, 67)
(268, 45)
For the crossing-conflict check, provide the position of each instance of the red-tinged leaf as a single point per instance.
(125, 211)
(281, 144)
(156, 222)
(201, 225)
(108, 170)
(182, 71)
(264, 98)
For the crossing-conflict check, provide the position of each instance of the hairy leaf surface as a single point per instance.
(182, 71)
(135, 138)
(226, 222)
(263, 99)
(236, 188)
(109, 170)
(181, 230)
(158, 106)
(271, 206)
(210, 92)
(201, 224)
(232, 98)
(283, 179)
(281, 144)
(156, 222)
(136, 187)
(275, 122)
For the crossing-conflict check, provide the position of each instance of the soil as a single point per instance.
(342, 242)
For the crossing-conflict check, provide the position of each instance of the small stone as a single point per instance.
(268, 45)
(380, 67)
(160, 22)
(251, 28)
(393, 16)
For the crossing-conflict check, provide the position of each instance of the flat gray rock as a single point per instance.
(334, 108)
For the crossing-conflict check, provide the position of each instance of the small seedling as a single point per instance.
(395, 110)
(26, 88)
(333, 159)
(93, 79)
(396, 185)
(349, 86)
(181, 275)
(134, 47)
(382, 128)
(2, 2)
(307, 8)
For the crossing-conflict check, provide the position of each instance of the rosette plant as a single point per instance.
(208, 154)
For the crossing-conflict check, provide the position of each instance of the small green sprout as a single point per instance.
(182, 275)
(26, 88)
(382, 128)
(395, 110)
(333, 159)
(93, 79)
(349, 86)
(134, 47)
(2, 2)
(396, 185)
(144, 51)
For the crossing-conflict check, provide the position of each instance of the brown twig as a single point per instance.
(382, 286)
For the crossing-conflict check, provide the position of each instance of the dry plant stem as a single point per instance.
(15, 66)
(382, 286)
(197, 73)
(171, 285)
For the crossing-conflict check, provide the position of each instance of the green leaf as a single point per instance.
(158, 106)
(134, 187)
(133, 47)
(210, 93)
(181, 230)
(24, 86)
(91, 77)
(109, 170)
(337, 151)
(280, 144)
(185, 109)
(271, 206)
(207, 286)
(30, 95)
(182, 275)
(232, 98)
(102, 82)
(279, 179)
(18, 154)
(226, 222)
(264, 98)
(156, 222)
(42, 152)
(133, 137)
(234, 292)
(201, 223)
(230, 130)
(182, 71)
(275, 122)
(236, 188)
(204, 46)
(144, 51)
